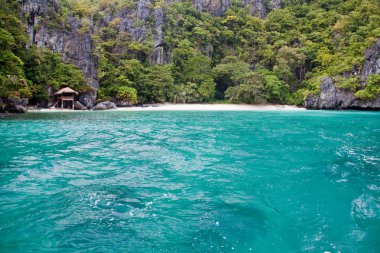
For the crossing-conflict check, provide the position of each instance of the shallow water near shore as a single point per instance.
(273, 181)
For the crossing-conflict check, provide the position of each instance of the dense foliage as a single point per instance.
(235, 57)
(28, 72)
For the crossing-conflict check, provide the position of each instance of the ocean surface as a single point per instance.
(280, 181)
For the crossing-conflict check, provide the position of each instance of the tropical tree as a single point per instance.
(250, 91)
(156, 84)
(127, 94)
(289, 61)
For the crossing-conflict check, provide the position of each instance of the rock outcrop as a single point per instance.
(75, 47)
(13, 105)
(107, 105)
(256, 7)
(142, 22)
(87, 99)
(331, 97)
(158, 50)
(275, 4)
(260, 8)
(78, 106)
(371, 64)
(214, 7)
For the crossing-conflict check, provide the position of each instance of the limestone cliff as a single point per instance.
(331, 97)
(158, 56)
(144, 22)
(372, 62)
(256, 7)
(74, 46)
(215, 7)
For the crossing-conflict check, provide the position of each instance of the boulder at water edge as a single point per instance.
(78, 106)
(331, 97)
(107, 105)
(87, 99)
(14, 105)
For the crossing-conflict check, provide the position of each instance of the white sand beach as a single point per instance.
(195, 107)
(210, 107)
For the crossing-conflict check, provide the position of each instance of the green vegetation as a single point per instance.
(235, 57)
(371, 89)
(28, 72)
(12, 39)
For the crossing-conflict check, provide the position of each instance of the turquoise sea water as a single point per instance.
(190, 182)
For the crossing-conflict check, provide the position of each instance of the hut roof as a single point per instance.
(65, 90)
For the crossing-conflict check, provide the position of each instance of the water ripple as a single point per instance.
(190, 182)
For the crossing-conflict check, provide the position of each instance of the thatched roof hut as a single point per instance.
(66, 90)
(66, 97)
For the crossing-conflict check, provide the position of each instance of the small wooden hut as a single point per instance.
(65, 98)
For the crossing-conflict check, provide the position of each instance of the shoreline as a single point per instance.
(192, 107)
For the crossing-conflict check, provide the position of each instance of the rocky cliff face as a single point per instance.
(75, 47)
(331, 97)
(218, 7)
(134, 21)
(256, 7)
(145, 23)
(214, 7)
(372, 62)
(158, 56)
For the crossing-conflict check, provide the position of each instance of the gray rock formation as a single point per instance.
(31, 11)
(13, 105)
(76, 48)
(143, 9)
(218, 7)
(158, 50)
(332, 98)
(78, 106)
(256, 7)
(214, 7)
(260, 8)
(134, 21)
(371, 65)
(275, 4)
(87, 99)
(107, 105)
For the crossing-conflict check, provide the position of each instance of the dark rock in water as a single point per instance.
(87, 99)
(13, 105)
(332, 98)
(104, 106)
(78, 106)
